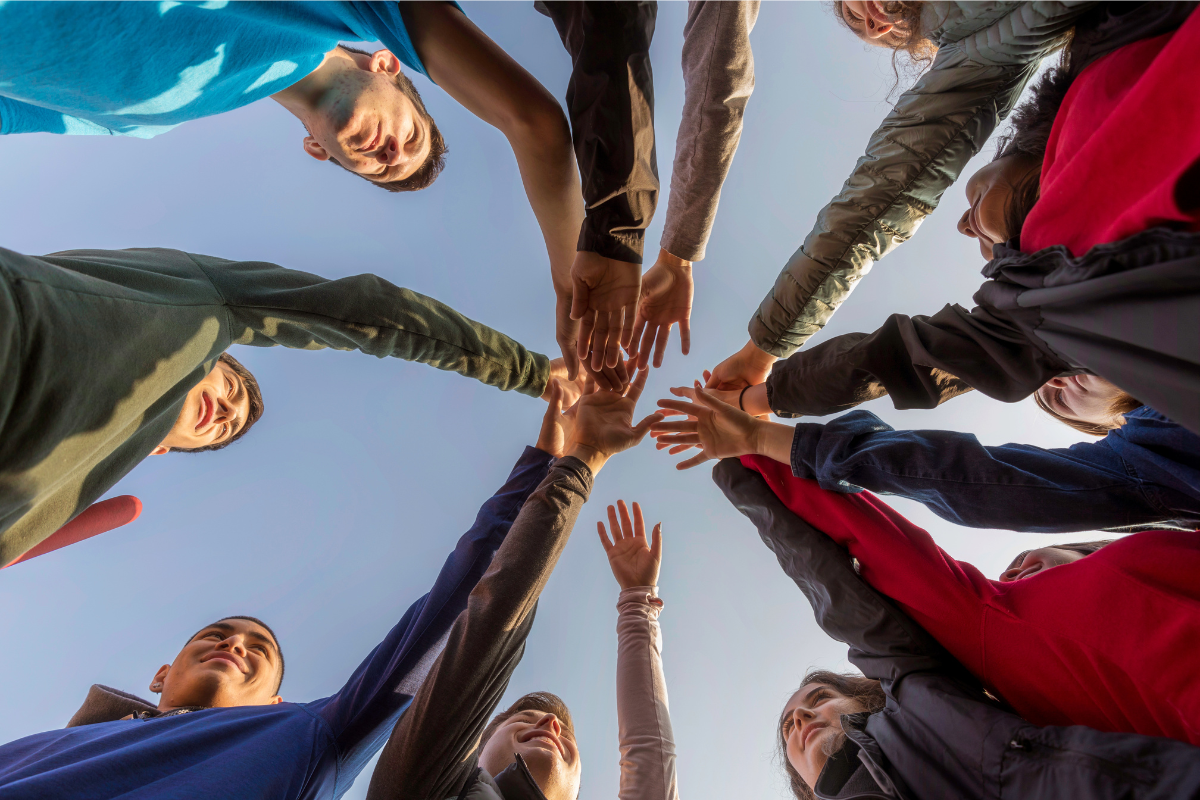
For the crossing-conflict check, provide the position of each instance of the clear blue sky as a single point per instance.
(338, 510)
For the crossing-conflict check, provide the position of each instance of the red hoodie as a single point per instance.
(1111, 641)
(1127, 129)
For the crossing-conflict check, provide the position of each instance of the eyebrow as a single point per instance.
(225, 627)
(237, 398)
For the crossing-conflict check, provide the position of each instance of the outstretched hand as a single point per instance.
(603, 423)
(557, 426)
(633, 559)
(666, 299)
(749, 366)
(719, 429)
(604, 296)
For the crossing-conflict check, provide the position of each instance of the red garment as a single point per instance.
(1111, 641)
(1127, 129)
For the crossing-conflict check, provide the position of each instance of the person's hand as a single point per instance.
(571, 388)
(603, 423)
(604, 299)
(719, 429)
(747, 367)
(666, 299)
(614, 379)
(566, 332)
(557, 426)
(634, 561)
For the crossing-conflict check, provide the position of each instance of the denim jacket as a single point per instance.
(1143, 474)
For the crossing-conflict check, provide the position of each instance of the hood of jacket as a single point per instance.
(106, 704)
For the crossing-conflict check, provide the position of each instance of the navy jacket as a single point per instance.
(290, 750)
(1143, 474)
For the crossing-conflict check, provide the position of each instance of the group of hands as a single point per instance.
(593, 424)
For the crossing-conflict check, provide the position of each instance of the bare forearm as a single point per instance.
(774, 440)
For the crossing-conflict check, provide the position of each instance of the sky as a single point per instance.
(338, 510)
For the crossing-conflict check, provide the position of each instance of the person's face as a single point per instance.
(548, 748)
(234, 662)
(1039, 560)
(365, 122)
(213, 412)
(812, 727)
(1084, 398)
(988, 192)
(871, 23)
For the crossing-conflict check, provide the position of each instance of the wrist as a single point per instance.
(757, 356)
(774, 440)
(754, 400)
(673, 262)
(593, 458)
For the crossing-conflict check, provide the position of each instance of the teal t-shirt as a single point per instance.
(141, 68)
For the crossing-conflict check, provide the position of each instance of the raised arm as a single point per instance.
(643, 717)
(269, 305)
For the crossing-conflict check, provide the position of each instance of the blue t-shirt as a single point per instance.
(141, 68)
(287, 751)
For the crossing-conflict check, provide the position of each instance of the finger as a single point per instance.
(639, 325)
(691, 409)
(710, 400)
(694, 461)
(683, 448)
(627, 323)
(617, 533)
(639, 524)
(679, 438)
(604, 537)
(713, 381)
(627, 529)
(601, 379)
(660, 344)
(656, 541)
(684, 391)
(571, 359)
(584, 343)
(642, 428)
(579, 298)
(685, 336)
(621, 371)
(689, 426)
(639, 383)
(707, 377)
(600, 334)
(646, 345)
(612, 351)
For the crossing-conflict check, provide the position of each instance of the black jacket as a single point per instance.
(940, 736)
(1127, 311)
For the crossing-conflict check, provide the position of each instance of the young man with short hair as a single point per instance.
(110, 355)
(221, 727)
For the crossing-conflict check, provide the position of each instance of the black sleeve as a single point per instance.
(610, 101)
(885, 643)
(433, 751)
(920, 361)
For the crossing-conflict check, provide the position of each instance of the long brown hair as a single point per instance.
(910, 37)
(1087, 548)
(1122, 404)
(864, 691)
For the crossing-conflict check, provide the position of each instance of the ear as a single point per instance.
(314, 149)
(160, 678)
(160, 450)
(384, 61)
(274, 701)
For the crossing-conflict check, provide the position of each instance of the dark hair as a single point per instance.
(253, 397)
(909, 37)
(433, 164)
(534, 701)
(865, 691)
(1087, 548)
(263, 625)
(1121, 404)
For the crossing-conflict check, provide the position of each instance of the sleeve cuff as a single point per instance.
(804, 449)
(640, 595)
(626, 246)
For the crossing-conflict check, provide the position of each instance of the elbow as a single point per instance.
(541, 124)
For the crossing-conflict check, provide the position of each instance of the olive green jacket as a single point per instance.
(987, 52)
(98, 350)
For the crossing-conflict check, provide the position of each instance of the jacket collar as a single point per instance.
(105, 704)
(856, 770)
(516, 782)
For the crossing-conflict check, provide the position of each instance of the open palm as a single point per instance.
(634, 559)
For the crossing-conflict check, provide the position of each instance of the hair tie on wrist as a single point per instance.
(740, 396)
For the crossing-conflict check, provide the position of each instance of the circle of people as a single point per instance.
(1071, 675)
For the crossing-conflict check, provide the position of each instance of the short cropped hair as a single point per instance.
(867, 692)
(1087, 548)
(254, 399)
(434, 163)
(267, 628)
(534, 701)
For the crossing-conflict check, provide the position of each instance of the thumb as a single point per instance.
(579, 298)
(643, 427)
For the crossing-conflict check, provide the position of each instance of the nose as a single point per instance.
(1057, 383)
(234, 644)
(964, 225)
(550, 722)
(224, 412)
(876, 30)
(389, 152)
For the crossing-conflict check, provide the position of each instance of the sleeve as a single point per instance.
(919, 361)
(918, 151)
(899, 559)
(610, 101)
(884, 642)
(269, 305)
(643, 718)
(1012, 487)
(718, 78)
(18, 117)
(362, 713)
(432, 753)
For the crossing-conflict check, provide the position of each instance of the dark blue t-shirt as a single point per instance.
(141, 68)
(285, 751)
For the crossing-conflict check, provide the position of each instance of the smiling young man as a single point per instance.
(108, 356)
(222, 728)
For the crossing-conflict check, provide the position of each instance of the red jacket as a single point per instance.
(1111, 641)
